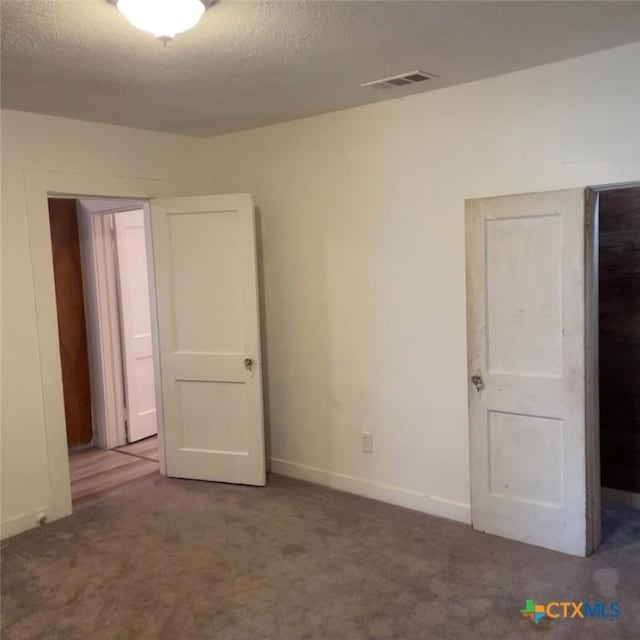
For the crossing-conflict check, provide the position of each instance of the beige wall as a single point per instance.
(362, 215)
(32, 142)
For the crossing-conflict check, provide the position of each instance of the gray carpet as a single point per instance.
(176, 559)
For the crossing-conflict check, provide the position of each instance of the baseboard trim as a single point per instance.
(23, 522)
(434, 506)
(30, 520)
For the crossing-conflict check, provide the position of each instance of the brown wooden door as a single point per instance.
(72, 331)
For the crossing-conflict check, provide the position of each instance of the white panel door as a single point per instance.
(135, 316)
(525, 290)
(204, 252)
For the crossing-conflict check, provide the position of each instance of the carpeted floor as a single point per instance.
(183, 560)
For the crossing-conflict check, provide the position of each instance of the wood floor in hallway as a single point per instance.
(96, 473)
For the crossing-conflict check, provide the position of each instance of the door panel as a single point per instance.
(525, 285)
(72, 330)
(529, 444)
(524, 295)
(205, 263)
(215, 328)
(213, 416)
(135, 315)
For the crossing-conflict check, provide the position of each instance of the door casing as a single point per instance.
(105, 348)
(39, 187)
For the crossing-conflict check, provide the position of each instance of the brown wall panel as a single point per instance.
(65, 246)
(620, 339)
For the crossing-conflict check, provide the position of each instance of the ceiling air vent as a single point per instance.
(401, 80)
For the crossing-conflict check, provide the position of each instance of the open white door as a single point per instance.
(204, 252)
(526, 310)
(135, 322)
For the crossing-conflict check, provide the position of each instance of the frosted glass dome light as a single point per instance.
(163, 18)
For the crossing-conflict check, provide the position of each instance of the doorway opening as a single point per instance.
(210, 418)
(615, 287)
(103, 284)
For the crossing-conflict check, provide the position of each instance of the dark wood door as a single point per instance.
(620, 339)
(72, 331)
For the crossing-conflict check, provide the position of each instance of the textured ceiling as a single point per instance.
(253, 63)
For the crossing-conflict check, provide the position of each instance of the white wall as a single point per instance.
(362, 216)
(57, 145)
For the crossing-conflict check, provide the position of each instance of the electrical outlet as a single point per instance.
(366, 442)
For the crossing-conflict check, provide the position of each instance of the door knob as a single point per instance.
(478, 381)
(248, 364)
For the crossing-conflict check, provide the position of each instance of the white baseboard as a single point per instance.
(434, 506)
(23, 522)
(30, 520)
(395, 495)
(618, 495)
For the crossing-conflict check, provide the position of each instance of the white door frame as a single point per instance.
(39, 187)
(592, 348)
(103, 318)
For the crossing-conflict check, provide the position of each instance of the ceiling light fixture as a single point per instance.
(163, 18)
